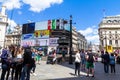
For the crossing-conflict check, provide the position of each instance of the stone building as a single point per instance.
(82, 41)
(109, 32)
(3, 25)
(74, 39)
(14, 37)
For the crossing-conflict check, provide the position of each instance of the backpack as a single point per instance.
(90, 58)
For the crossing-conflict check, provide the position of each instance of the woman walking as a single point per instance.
(112, 63)
(77, 63)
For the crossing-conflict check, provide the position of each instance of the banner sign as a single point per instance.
(41, 42)
(27, 42)
(27, 36)
(41, 25)
(53, 41)
(42, 34)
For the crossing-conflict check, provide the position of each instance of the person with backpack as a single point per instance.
(90, 63)
(112, 63)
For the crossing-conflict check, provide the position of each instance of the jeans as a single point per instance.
(25, 75)
(112, 68)
(4, 70)
(77, 68)
(106, 68)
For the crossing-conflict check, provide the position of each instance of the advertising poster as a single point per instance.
(53, 41)
(41, 42)
(27, 42)
(41, 25)
(27, 36)
(28, 28)
(42, 34)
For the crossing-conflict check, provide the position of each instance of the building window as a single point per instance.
(115, 21)
(109, 21)
(110, 42)
(102, 42)
(116, 42)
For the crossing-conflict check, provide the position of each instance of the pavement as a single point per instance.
(65, 71)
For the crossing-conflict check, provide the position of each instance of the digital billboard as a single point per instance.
(42, 34)
(28, 28)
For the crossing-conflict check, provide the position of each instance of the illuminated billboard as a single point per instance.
(27, 36)
(42, 34)
(28, 42)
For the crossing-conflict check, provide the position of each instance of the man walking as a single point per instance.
(90, 63)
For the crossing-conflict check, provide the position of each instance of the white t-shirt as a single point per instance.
(77, 57)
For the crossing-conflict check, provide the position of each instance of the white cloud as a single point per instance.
(40, 5)
(10, 4)
(91, 34)
(35, 5)
(1, 0)
(12, 23)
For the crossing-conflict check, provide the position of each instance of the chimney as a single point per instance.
(3, 10)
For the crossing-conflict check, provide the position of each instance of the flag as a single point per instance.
(57, 24)
(49, 24)
(53, 24)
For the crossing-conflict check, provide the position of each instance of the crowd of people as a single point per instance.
(20, 62)
(85, 61)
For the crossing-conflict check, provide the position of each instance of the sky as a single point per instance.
(87, 14)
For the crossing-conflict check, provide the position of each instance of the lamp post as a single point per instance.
(105, 41)
(70, 50)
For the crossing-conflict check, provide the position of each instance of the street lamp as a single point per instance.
(105, 41)
(70, 50)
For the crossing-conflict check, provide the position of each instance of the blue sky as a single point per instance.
(87, 14)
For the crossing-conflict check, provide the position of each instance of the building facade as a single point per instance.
(82, 42)
(3, 25)
(74, 39)
(14, 37)
(109, 33)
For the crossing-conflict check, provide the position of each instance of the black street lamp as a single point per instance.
(70, 50)
(105, 41)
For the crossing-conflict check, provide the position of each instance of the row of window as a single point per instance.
(110, 42)
(113, 21)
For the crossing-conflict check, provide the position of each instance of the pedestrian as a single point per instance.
(102, 54)
(90, 63)
(27, 59)
(112, 63)
(19, 61)
(63, 55)
(83, 59)
(33, 66)
(5, 62)
(54, 57)
(106, 61)
(77, 63)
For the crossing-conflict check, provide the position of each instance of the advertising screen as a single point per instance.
(27, 42)
(42, 34)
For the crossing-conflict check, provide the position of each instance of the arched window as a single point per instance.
(110, 42)
(115, 21)
(109, 21)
